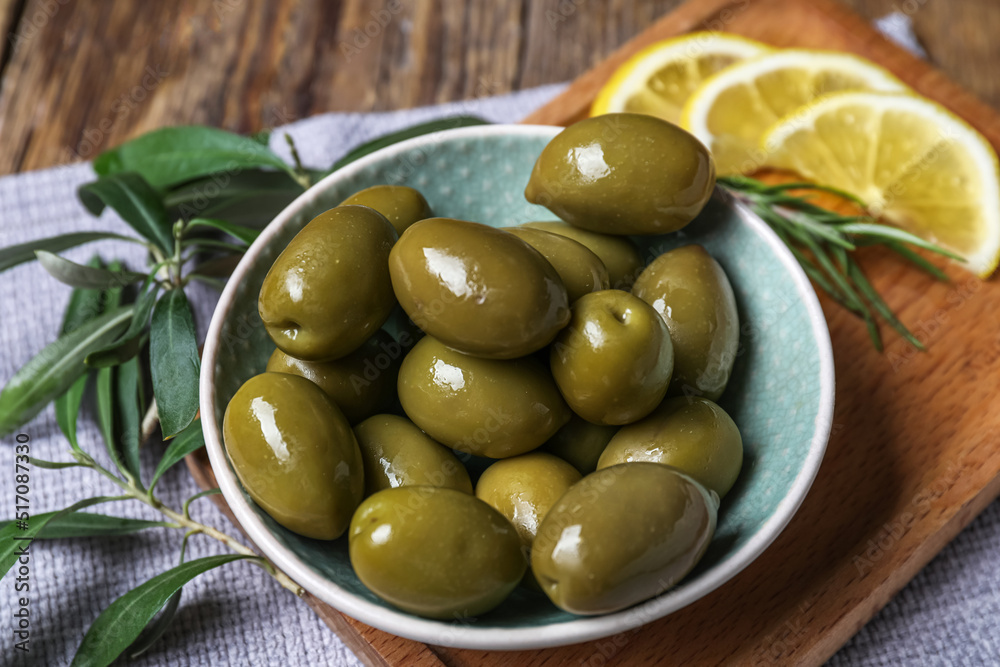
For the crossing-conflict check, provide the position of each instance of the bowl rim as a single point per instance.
(465, 635)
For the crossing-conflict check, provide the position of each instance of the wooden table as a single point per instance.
(78, 76)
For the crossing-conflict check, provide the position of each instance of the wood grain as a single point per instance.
(914, 452)
(79, 77)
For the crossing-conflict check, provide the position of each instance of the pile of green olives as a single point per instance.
(546, 415)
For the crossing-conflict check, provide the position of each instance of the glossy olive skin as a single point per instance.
(397, 453)
(477, 289)
(402, 206)
(435, 552)
(613, 362)
(620, 256)
(523, 488)
(689, 289)
(295, 454)
(693, 434)
(620, 536)
(487, 407)
(623, 173)
(361, 384)
(580, 443)
(580, 270)
(329, 289)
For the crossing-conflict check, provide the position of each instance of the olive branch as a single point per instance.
(196, 197)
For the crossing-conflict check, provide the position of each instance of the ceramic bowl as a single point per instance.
(780, 395)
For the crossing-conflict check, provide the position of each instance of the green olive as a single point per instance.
(524, 487)
(397, 453)
(477, 289)
(402, 206)
(295, 454)
(329, 290)
(580, 443)
(623, 173)
(689, 289)
(581, 271)
(620, 256)
(694, 435)
(435, 552)
(486, 407)
(613, 362)
(620, 536)
(361, 384)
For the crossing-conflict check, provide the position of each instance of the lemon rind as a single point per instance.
(984, 262)
(635, 71)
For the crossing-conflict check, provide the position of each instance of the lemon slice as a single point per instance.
(660, 78)
(912, 162)
(732, 109)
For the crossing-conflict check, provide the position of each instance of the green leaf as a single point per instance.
(187, 441)
(85, 524)
(408, 133)
(173, 357)
(251, 198)
(207, 492)
(119, 625)
(152, 632)
(173, 155)
(51, 372)
(68, 410)
(130, 343)
(85, 277)
(119, 415)
(886, 233)
(239, 232)
(13, 539)
(135, 201)
(54, 465)
(84, 304)
(918, 261)
(129, 413)
(25, 252)
(106, 414)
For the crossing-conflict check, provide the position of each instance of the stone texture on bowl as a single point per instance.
(780, 394)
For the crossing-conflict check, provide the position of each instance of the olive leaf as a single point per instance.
(14, 540)
(174, 362)
(173, 155)
(86, 277)
(128, 423)
(135, 200)
(240, 232)
(86, 524)
(120, 624)
(55, 465)
(187, 442)
(84, 305)
(152, 632)
(54, 370)
(250, 198)
(130, 343)
(119, 415)
(13, 255)
(68, 410)
(404, 134)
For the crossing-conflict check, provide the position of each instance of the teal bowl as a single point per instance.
(780, 395)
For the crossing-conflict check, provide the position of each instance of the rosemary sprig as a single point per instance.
(822, 241)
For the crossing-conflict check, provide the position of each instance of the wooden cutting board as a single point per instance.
(914, 453)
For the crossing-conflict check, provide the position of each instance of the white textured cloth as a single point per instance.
(236, 615)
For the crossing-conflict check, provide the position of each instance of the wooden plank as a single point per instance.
(911, 460)
(913, 455)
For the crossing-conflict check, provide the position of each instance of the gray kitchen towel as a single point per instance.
(236, 615)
